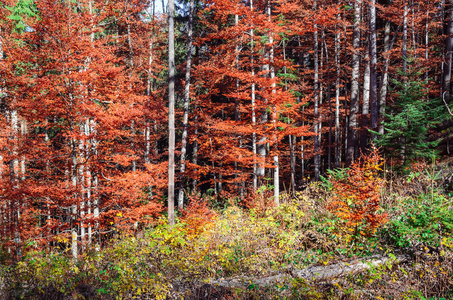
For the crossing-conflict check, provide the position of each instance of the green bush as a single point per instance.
(427, 219)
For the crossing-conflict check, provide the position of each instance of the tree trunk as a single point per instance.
(406, 11)
(186, 107)
(337, 95)
(171, 112)
(373, 69)
(316, 100)
(365, 97)
(448, 54)
(385, 77)
(275, 114)
(329, 149)
(74, 231)
(317, 273)
(354, 106)
(254, 147)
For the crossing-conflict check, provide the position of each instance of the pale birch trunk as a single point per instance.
(316, 99)
(15, 171)
(195, 149)
(81, 181)
(254, 147)
(186, 107)
(427, 45)
(365, 95)
(275, 113)
(88, 179)
(354, 106)
(236, 110)
(385, 76)
(74, 231)
(406, 11)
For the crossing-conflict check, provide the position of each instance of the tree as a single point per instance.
(409, 120)
(76, 98)
(171, 112)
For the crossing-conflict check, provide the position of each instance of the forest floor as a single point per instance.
(300, 249)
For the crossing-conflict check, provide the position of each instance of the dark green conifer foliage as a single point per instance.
(409, 119)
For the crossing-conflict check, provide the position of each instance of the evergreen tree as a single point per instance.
(409, 119)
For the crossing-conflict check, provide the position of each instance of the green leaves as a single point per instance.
(408, 121)
(425, 219)
(23, 10)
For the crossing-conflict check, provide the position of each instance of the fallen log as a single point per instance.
(316, 273)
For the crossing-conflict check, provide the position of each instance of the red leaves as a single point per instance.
(357, 196)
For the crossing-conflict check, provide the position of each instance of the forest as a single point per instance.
(254, 149)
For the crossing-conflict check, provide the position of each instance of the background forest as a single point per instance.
(323, 127)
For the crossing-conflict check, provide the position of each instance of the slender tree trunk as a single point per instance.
(14, 167)
(385, 77)
(329, 150)
(316, 100)
(406, 11)
(345, 83)
(239, 185)
(337, 95)
(448, 53)
(81, 182)
(354, 106)
(186, 107)
(373, 69)
(291, 139)
(254, 147)
(275, 113)
(1, 46)
(74, 231)
(89, 179)
(365, 97)
(414, 41)
(427, 44)
(171, 112)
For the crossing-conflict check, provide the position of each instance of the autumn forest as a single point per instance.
(116, 115)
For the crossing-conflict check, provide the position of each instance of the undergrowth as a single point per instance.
(378, 218)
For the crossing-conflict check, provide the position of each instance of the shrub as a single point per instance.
(356, 197)
(426, 219)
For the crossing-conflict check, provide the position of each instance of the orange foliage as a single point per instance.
(357, 196)
(197, 215)
(260, 201)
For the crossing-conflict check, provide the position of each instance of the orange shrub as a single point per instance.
(197, 215)
(357, 197)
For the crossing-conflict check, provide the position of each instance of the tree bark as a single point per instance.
(316, 100)
(385, 76)
(171, 112)
(365, 97)
(448, 53)
(406, 11)
(186, 107)
(315, 274)
(373, 69)
(354, 106)
(337, 95)
(275, 114)
(254, 147)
